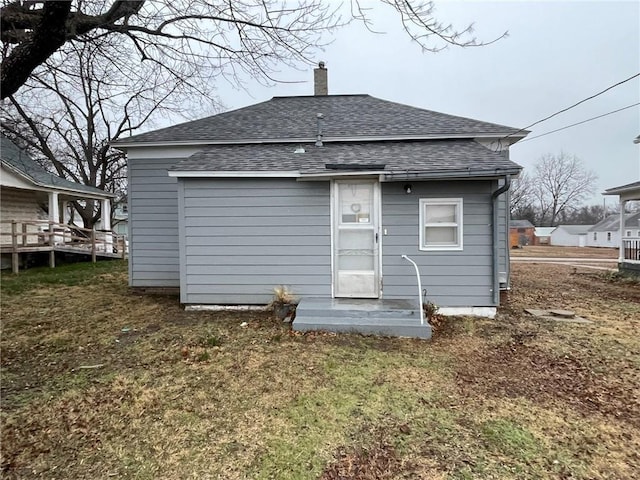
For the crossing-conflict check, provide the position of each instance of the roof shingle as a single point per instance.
(453, 156)
(20, 161)
(345, 117)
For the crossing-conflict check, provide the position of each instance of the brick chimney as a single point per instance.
(320, 82)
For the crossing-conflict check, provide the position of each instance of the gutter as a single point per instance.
(496, 251)
(450, 174)
(385, 175)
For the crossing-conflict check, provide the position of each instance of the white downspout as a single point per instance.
(420, 306)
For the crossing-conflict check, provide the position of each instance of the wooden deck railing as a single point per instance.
(40, 236)
(631, 250)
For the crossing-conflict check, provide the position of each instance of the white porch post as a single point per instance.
(54, 207)
(105, 218)
(622, 227)
(54, 217)
(65, 212)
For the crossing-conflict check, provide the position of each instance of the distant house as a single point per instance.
(542, 235)
(325, 194)
(521, 233)
(629, 226)
(606, 233)
(32, 200)
(119, 217)
(570, 235)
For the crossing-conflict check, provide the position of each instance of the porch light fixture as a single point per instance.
(300, 149)
(407, 188)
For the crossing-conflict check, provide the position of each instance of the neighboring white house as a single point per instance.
(542, 235)
(570, 235)
(629, 243)
(607, 232)
(119, 217)
(31, 194)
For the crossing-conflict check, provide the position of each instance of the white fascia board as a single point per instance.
(230, 174)
(326, 139)
(336, 174)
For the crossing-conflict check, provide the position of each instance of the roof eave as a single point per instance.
(383, 174)
(82, 193)
(124, 144)
(452, 174)
(233, 174)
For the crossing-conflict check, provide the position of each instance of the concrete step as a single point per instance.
(371, 317)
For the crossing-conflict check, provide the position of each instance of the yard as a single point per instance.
(98, 382)
(564, 252)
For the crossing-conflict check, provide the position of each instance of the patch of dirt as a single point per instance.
(377, 461)
(560, 286)
(520, 370)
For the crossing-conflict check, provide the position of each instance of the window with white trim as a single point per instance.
(441, 224)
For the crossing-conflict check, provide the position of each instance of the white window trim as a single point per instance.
(441, 201)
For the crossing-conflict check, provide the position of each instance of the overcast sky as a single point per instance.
(556, 54)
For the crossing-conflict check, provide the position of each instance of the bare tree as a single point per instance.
(69, 111)
(79, 74)
(190, 39)
(521, 195)
(561, 183)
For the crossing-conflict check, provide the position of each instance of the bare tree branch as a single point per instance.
(193, 39)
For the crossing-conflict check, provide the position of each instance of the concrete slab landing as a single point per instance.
(557, 315)
(390, 317)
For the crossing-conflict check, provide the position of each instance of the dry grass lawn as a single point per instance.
(181, 395)
(565, 252)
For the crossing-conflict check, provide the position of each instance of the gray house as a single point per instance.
(324, 194)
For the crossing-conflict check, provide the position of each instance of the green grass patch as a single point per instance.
(68, 275)
(511, 440)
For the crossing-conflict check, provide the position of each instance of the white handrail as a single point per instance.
(420, 306)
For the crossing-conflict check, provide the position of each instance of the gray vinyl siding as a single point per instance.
(242, 237)
(153, 224)
(452, 278)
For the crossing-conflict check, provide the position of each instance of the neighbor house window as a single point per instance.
(608, 236)
(440, 224)
(628, 233)
(595, 236)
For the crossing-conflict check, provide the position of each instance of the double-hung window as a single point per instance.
(441, 224)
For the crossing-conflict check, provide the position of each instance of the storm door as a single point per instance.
(356, 261)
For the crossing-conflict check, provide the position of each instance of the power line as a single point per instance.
(580, 123)
(574, 105)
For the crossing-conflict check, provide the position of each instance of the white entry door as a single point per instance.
(356, 241)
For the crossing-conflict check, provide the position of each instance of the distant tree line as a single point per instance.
(555, 191)
(583, 215)
(555, 194)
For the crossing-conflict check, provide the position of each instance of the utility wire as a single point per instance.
(579, 123)
(574, 105)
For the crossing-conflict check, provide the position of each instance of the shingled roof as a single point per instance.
(346, 117)
(611, 223)
(464, 157)
(20, 162)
